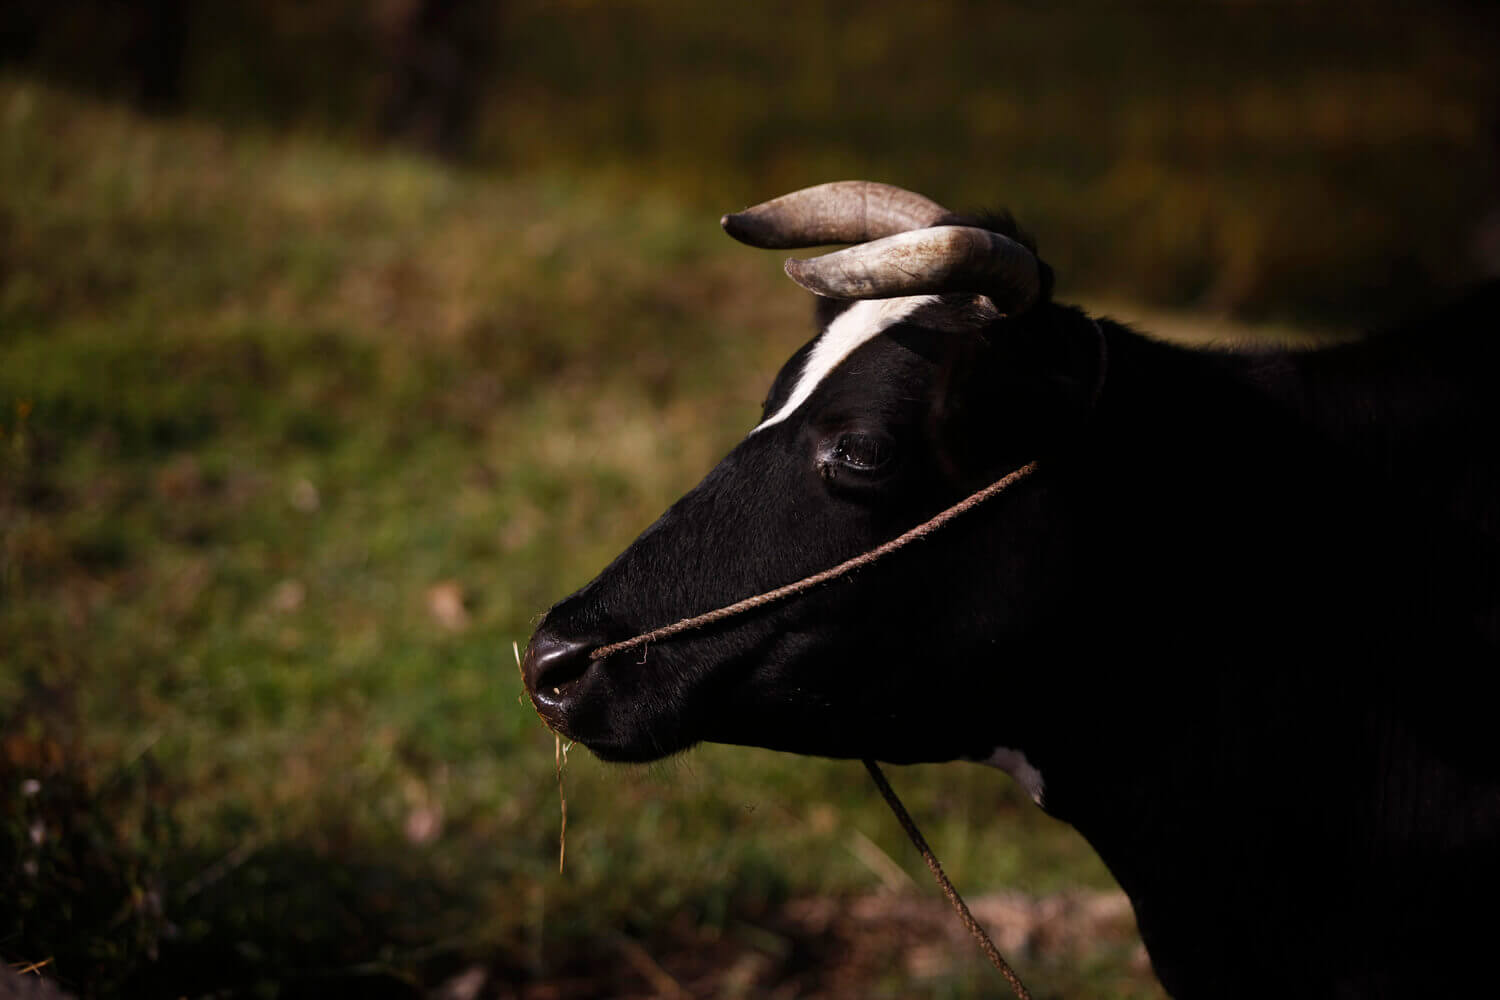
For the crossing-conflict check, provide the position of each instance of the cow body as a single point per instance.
(1238, 629)
(1284, 746)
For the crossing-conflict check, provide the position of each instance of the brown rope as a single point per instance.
(965, 917)
(807, 583)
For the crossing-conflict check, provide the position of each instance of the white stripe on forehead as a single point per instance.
(861, 322)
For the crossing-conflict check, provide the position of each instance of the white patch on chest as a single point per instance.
(1015, 764)
(861, 322)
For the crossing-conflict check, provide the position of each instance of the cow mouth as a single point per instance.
(576, 698)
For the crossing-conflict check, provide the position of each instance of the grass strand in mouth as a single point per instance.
(560, 753)
(562, 831)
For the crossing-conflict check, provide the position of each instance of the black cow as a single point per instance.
(1239, 629)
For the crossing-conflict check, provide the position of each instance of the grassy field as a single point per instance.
(297, 442)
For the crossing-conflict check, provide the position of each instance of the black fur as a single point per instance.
(1244, 621)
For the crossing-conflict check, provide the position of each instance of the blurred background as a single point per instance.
(339, 339)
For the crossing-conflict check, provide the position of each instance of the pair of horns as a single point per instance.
(901, 248)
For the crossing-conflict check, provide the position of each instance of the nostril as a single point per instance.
(552, 661)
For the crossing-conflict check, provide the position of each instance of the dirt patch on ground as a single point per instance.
(885, 945)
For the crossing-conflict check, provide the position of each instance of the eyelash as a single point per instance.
(864, 452)
(856, 459)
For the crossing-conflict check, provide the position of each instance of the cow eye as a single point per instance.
(861, 451)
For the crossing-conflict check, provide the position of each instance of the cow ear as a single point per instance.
(1066, 359)
(1059, 347)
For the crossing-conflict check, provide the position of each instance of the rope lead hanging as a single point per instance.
(960, 907)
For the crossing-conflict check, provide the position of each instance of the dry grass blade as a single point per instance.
(660, 979)
(892, 876)
(562, 832)
(560, 753)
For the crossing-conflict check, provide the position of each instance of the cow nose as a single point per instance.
(551, 662)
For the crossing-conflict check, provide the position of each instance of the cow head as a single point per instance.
(940, 365)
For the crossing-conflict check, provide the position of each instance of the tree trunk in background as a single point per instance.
(158, 40)
(133, 50)
(433, 56)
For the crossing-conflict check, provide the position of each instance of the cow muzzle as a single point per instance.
(551, 668)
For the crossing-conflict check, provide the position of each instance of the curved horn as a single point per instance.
(926, 262)
(839, 212)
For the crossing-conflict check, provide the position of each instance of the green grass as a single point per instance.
(259, 395)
